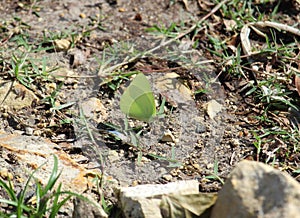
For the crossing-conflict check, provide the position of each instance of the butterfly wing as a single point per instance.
(138, 100)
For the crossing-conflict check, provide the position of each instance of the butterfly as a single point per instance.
(138, 100)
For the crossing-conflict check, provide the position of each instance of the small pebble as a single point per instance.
(29, 131)
(196, 166)
(209, 166)
(4, 174)
(174, 173)
(167, 177)
(135, 183)
(113, 156)
(200, 128)
(234, 142)
(37, 132)
(168, 137)
(82, 15)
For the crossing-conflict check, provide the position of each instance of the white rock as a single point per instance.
(213, 108)
(257, 190)
(144, 200)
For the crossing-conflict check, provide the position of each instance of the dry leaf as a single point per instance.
(190, 205)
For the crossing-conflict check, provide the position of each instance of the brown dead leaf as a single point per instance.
(190, 205)
(232, 42)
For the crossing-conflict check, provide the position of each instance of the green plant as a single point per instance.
(214, 174)
(100, 185)
(273, 94)
(113, 82)
(49, 199)
(218, 45)
(19, 70)
(22, 66)
(241, 12)
(170, 31)
(53, 97)
(50, 37)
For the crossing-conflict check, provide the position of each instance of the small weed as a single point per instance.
(170, 32)
(52, 100)
(241, 12)
(100, 185)
(218, 46)
(274, 95)
(48, 199)
(27, 72)
(19, 70)
(114, 81)
(22, 66)
(50, 37)
(214, 174)
(269, 137)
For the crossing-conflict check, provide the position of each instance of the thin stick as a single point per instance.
(191, 29)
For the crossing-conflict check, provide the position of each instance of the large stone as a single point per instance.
(177, 199)
(257, 190)
(20, 155)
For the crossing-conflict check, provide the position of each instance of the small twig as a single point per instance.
(141, 55)
(258, 27)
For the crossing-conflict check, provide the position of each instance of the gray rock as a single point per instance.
(257, 190)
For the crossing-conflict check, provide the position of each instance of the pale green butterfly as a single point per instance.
(138, 100)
